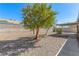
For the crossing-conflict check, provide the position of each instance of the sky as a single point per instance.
(66, 12)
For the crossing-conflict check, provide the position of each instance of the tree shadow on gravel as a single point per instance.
(15, 47)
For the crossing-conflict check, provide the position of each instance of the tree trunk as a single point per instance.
(37, 32)
(33, 31)
(46, 31)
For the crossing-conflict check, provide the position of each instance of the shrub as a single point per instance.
(59, 30)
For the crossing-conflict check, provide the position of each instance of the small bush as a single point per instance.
(59, 30)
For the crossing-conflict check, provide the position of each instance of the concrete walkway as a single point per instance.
(71, 48)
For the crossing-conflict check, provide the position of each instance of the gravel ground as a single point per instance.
(48, 46)
(21, 43)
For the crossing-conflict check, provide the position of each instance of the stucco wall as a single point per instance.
(71, 28)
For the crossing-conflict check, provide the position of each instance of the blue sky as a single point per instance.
(66, 12)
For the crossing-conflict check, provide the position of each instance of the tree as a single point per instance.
(36, 16)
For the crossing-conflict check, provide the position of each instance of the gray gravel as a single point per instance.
(48, 46)
(20, 43)
(26, 46)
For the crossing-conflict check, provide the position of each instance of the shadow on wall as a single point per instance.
(15, 47)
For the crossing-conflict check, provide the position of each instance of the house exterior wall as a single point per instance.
(70, 28)
(73, 28)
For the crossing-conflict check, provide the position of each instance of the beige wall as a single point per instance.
(71, 28)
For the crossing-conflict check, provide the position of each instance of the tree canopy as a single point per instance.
(38, 16)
